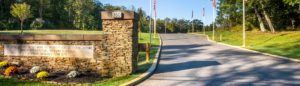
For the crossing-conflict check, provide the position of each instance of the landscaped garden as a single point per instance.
(12, 74)
(279, 43)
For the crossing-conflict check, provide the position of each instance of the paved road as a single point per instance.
(191, 60)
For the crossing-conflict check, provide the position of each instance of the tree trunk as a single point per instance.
(41, 9)
(293, 23)
(267, 17)
(22, 27)
(261, 24)
(269, 22)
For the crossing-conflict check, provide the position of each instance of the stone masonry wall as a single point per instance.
(123, 41)
(96, 64)
(115, 51)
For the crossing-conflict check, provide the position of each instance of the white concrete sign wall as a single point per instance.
(81, 51)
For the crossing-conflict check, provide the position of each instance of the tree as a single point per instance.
(109, 7)
(82, 11)
(292, 2)
(269, 15)
(198, 24)
(294, 12)
(21, 11)
(266, 15)
(142, 18)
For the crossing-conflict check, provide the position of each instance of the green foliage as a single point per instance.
(292, 2)
(82, 12)
(37, 23)
(3, 64)
(279, 14)
(237, 28)
(42, 75)
(21, 11)
(110, 7)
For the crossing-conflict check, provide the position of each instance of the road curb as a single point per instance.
(267, 54)
(149, 72)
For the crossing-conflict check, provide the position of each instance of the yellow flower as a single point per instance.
(3, 63)
(42, 74)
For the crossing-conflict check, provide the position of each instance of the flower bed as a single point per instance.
(21, 73)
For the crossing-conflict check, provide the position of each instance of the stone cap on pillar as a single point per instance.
(118, 15)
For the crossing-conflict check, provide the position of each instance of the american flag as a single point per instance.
(214, 4)
(192, 13)
(203, 11)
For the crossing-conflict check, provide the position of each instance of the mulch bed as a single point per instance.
(60, 77)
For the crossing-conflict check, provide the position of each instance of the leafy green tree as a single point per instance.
(292, 2)
(198, 24)
(110, 7)
(21, 11)
(142, 19)
(81, 11)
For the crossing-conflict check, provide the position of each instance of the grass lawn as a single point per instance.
(142, 67)
(50, 32)
(281, 43)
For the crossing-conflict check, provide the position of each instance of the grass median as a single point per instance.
(280, 43)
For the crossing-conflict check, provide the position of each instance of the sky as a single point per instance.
(180, 9)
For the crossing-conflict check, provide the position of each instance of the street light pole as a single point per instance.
(244, 25)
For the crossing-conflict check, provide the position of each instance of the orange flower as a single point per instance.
(10, 70)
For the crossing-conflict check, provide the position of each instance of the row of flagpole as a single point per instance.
(213, 23)
(155, 16)
(150, 20)
(203, 29)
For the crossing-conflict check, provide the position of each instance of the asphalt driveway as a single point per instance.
(191, 60)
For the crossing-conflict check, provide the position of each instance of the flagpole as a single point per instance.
(165, 27)
(150, 23)
(193, 21)
(213, 24)
(154, 18)
(203, 21)
(204, 25)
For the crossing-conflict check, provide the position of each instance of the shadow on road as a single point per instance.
(265, 70)
(176, 52)
(185, 66)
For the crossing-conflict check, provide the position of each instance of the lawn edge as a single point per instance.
(239, 47)
(150, 71)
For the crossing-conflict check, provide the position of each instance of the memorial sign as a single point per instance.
(82, 51)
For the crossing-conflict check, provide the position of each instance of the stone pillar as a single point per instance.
(120, 28)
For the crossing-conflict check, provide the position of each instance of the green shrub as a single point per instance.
(237, 28)
(37, 23)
